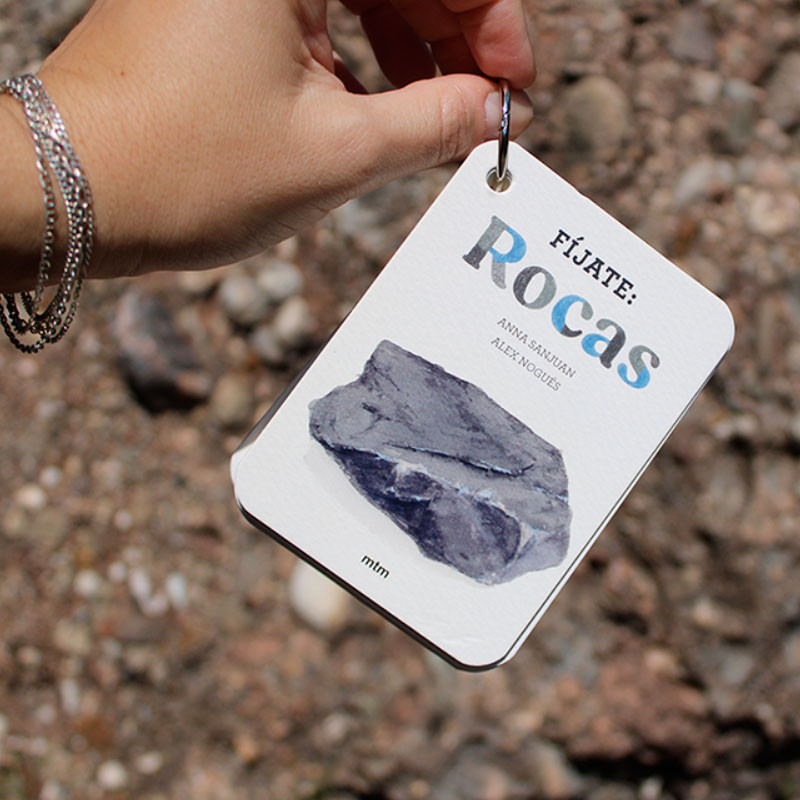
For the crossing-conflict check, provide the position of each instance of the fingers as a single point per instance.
(402, 55)
(478, 36)
(454, 55)
(497, 35)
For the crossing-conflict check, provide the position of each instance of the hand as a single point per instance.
(212, 129)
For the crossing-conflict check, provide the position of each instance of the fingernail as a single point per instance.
(521, 113)
(492, 110)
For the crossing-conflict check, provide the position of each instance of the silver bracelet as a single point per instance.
(54, 153)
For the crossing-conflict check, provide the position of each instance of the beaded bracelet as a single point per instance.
(54, 153)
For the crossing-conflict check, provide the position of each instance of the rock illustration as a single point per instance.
(472, 485)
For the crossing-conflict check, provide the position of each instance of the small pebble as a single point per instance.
(123, 520)
(117, 572)
(200, 283)
(50, 477)
(50, 409)
(692, 39)
(53, 791)
(139, 585)
(703, 178)
(149, 763)
(70, 696)
(177, 591)
(72, 638)
(705, 87)
(783, 97)
(293, 324)
(732, 128)
(112, 776)
(317, 600)
(597, 116)
(15, 523)
(232, 401)
(247, 749)
(88, 584)
(156, 605)
(651, 789)
(555, 777)
(773, 214)
(32, 497)
(159, 362)
(244, 301)
(108, 473)
(29, 656)
(266, 346)
(280, 280)
(705, 614)
(335, 728)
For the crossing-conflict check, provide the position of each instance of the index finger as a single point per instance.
(497, 35)
(484, 36)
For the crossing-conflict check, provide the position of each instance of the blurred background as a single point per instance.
(153, 646)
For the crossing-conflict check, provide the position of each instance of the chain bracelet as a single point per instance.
(54, 153)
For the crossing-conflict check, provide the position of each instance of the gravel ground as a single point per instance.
(153, 646)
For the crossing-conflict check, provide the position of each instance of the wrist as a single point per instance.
(31, 320)
(22, 212)
(81, 105)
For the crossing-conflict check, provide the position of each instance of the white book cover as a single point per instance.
(453, 451)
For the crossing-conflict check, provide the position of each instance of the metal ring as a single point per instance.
(503, 132)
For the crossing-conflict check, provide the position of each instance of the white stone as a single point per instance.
(88, 584)
(266, 346)
(177, 590)
(139, 585)
(317, 600)
(70, 696)
(244, 301)
(51, 790)
(651, 789)
(280, 280)
(149, 763)
(32, 497)
(293, 324)
(200, 283)
(50, 477)
(112, 776)
(156, 605)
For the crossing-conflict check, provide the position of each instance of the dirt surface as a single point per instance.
(149, 645)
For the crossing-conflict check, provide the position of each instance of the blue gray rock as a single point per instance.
(160, 364)
(472, 485)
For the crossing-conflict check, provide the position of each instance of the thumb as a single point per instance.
(435, 121)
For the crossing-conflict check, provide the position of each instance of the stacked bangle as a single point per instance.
(54, 154)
